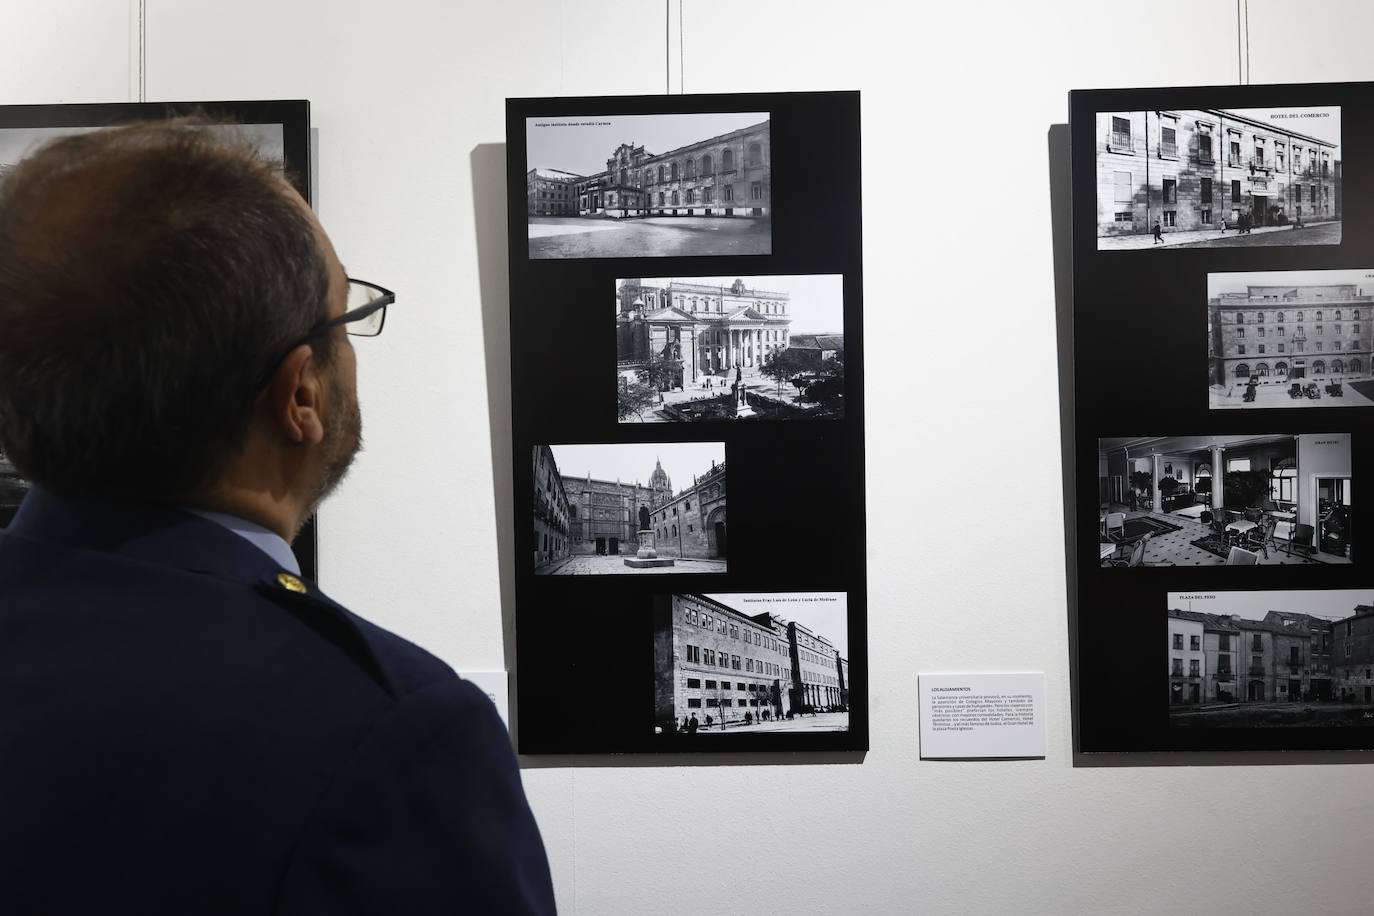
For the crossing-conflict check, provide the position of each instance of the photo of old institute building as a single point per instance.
(726, 175)
(591, 517)
(1209, 169)
(711, 659)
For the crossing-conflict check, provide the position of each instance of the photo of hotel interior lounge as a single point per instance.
(1224, 500)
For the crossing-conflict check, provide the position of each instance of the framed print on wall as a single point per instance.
(1222, 308)
(695, 518)
(279, 129)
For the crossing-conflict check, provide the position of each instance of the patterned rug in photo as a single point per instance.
(1214, 543)
(1135, 527)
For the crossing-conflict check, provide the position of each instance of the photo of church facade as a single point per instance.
(712, 348)
(753, 662)
(613, 525)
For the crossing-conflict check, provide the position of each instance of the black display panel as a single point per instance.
(1222, 334)
(688, 467)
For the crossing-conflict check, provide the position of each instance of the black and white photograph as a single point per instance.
(729, 348)
(651, 185)
(12, 490)
(1290, 338)
(755, 662)
(18, 142)
(614, 509)
(1213, 178)
(1264, 659)
(1282, 500)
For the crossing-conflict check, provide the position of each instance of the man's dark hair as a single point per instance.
(151, 278)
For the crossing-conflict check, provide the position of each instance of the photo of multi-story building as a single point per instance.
(1291, 338)
(1218, 178)
(649, 185)
(1271, 658)
(719, 348)
(612, 509)
(751, 662)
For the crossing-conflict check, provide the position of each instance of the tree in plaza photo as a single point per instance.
(631, 400)
(783, 365)
(661, 372)
(828, 390)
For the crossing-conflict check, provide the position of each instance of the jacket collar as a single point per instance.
(150, 533)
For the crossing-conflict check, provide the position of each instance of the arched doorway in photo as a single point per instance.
(715, 532)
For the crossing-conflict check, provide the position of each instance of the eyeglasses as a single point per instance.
(363, 316)
(364, 312)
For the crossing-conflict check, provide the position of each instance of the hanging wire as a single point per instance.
(1247, 42)
(1240, 59)
(143, 50)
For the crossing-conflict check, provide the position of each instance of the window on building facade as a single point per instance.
(727, 160)
(1176, 666)
(1170, 191)
(694, 683)
(756, 154)
(1297, 193)
(694, 702)
(706, 194)
(1256, 643)
(1235, 192)
(1224, 642)
(1168, 141)
(675, 198)
(1206, 216)
(705, 165)
(1235, 152)
(1261, 348)
(756, 190)
(1194, 667)
(1121, 132)
(1178, 640)
(1121, 183)
(1169, 217)
(728, 193)
(1205, 192)
(1195, 643)
(1223, 663)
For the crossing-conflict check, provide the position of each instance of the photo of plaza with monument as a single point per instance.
(651, 185)
(729, 348)
(613, 509)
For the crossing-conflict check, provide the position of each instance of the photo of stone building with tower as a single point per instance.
(751, 662)
(713, 348)
(618, 522)
(1218, 178)
(649, 185)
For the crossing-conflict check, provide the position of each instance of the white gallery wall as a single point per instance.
(966, 566)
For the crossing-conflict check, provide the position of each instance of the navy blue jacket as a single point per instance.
(182, 733)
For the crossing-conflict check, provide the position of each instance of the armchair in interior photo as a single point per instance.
(1280, 500)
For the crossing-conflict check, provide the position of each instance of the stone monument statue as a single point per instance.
(647, 555)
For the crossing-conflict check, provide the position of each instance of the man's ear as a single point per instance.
(294, 397)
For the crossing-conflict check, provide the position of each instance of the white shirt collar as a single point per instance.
(266, 540)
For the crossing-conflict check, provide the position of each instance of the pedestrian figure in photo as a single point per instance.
(1222, 220)
(694, 725)
(1159, 233)
(708, 720)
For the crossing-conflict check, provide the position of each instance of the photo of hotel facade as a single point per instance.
(1251, 658)
(1225, 500)
(1283, 339)
(1202, 174)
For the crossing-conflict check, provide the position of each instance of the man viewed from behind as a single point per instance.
(186, 726)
